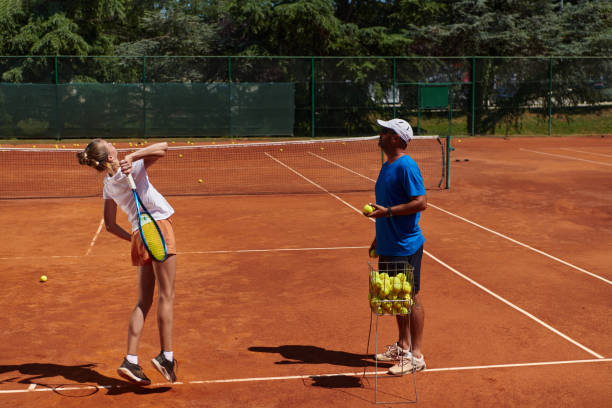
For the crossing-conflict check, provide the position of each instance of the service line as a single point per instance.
(32, 387)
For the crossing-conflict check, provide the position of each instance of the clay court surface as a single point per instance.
(271, 293)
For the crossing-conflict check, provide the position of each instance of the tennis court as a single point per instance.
(271, 294)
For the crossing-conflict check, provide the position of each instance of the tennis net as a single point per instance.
(287, 167)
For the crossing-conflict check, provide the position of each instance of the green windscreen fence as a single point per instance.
(152, 109)
(66, 97)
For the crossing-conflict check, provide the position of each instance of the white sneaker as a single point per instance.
(408, 363)
(392, 354)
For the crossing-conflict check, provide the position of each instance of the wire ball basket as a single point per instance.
(391, 286)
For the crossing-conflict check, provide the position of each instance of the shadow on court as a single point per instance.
(298, 354)
(78, 374)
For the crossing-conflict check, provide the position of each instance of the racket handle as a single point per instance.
(131, 181)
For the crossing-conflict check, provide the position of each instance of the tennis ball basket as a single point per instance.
(391, 288)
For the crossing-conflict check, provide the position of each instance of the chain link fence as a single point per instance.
(66, 97)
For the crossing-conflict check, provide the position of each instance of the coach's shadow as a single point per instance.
(83, 374)
(298, 354)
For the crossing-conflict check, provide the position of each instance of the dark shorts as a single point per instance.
(385, 265)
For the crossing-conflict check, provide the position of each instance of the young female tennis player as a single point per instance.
(103, 156)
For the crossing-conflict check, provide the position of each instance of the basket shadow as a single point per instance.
(302, 354)
(36, 373)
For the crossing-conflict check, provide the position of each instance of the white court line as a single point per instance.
(272, 250)
(10, 258)
(567, 157)
(523, 245)
(503, 236)
(342, 167)
(310, 181)
(93, 241)
(512, 305)
(314, 376)
(584, 151)
(228, 251)
(564, 336)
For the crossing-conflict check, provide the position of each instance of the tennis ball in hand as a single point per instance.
(43, 278)
(368, 209)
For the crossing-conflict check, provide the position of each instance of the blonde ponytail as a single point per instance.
(94, 155)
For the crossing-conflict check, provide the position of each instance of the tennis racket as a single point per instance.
(149, 230)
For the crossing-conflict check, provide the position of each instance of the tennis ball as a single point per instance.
(397, 286)
(43, 278)
(404, 310)
(180, 155)
(368, 209)
(200, 181)
(406, 287)
(373, 253)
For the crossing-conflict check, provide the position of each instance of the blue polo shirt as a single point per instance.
(397, 182)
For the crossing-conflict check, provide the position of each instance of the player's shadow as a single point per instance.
(299, 354)
(37, 373)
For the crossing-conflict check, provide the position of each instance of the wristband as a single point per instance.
(389, 213)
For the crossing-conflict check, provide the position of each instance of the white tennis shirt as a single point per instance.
(117, 188)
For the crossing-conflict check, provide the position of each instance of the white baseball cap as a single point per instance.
(399, 126)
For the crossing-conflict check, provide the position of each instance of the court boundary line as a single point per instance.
(512, 305)
(499, 234)
(223, 251)
(566, 157)
(584, 151)
(478, 285)
(32, 386)
(93, 241)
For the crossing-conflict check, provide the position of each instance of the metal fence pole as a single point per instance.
(312, 97)
(394, 87)
(144, 97)
(58, 131)
(229, 94)
(550, 89)
(473, 94)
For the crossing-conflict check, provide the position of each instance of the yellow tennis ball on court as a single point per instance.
(200, 181)
(368, 209)
(43, 278)
(180, 155)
